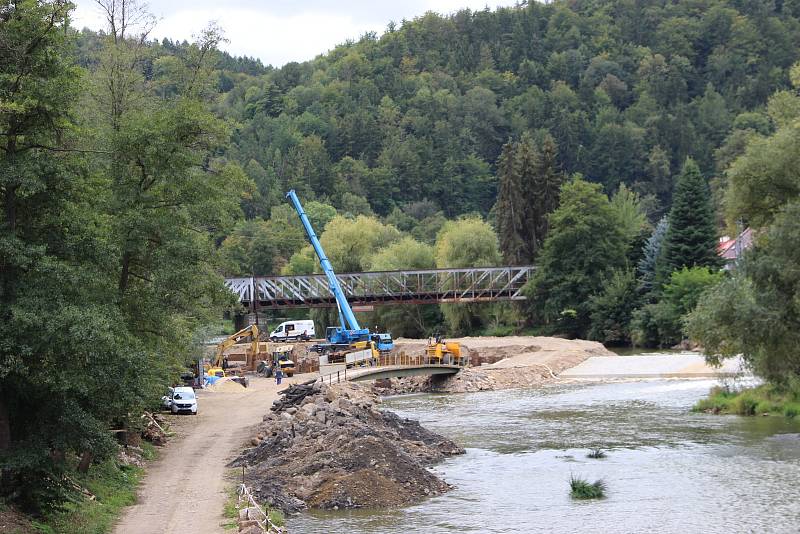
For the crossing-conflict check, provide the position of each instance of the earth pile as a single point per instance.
(330, 447)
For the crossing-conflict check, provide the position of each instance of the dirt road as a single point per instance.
(184, 490)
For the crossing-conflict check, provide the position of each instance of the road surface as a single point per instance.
(185, 489)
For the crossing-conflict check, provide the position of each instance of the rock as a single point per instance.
(292, 410)
(243, 514)
(253, 529)
(255, 442)
(286, 416)
(331, 395)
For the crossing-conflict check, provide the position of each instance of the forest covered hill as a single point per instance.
(627, 90)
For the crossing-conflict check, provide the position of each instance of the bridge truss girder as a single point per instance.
(430, 286)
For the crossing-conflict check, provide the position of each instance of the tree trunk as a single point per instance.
(124, 274)
(86, 461)
(11, 207)
(5, 427)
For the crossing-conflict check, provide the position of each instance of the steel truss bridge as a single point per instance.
(430, 286)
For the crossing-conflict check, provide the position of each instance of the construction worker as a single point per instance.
(278, 375)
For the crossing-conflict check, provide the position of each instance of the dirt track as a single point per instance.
(184, 490)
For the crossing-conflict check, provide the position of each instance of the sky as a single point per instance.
(280, 31)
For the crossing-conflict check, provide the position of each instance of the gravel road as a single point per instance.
(185, 489)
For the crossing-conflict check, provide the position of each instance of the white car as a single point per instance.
(181, 400)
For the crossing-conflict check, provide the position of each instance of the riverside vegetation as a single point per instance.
(134, 174)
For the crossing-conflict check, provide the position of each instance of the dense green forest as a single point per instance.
(608, 142)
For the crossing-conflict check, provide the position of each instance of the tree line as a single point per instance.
(115, 192)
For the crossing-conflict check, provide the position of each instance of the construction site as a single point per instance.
(297, 416)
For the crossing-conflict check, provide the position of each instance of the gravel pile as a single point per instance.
(330, 447)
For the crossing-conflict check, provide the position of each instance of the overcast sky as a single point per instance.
(279, 31)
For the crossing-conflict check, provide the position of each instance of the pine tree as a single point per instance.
(548, 181)
(530, 181)
(652, 252)
(509, 209)
(691, 237)
(527, 160)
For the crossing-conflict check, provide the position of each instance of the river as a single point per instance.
(667, 470)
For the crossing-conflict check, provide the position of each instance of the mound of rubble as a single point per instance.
(330, 447)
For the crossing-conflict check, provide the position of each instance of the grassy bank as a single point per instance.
(114, 487)
(231, 512)
(764, 399)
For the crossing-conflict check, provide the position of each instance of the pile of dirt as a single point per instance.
(498, 363)
(330, 447)
(225, 385)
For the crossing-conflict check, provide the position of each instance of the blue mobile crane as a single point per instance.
(349, 334)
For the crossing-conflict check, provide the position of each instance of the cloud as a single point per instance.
(277, 32)
(274, 39)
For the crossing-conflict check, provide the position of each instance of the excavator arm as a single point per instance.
(231, 340)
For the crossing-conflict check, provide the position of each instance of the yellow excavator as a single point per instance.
(216, 367)
(440, 351)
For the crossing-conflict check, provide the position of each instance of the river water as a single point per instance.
(667, 470)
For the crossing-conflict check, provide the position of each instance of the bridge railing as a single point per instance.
(400, 359)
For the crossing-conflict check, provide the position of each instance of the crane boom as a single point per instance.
(350, 329)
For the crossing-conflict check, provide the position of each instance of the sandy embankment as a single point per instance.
(500, 363)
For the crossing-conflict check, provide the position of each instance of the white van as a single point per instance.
(293, 330)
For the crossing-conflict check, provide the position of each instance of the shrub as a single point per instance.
(583, 489)
(611, 309)
(768, 398)
(596, 454)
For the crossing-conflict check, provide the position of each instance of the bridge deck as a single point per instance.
(429, 286)
(397, 371)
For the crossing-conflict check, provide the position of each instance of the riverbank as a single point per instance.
(330, 447)
(766, 399)
(498, 363)
(111, 485)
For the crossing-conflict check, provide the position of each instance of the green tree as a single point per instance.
(510, 209)
(612, 308)
(651, 253)
(67, 359)
(754, 312)
(351, 243)
(249, 250)
(632, 216)
(468, 242)
(405, 320)
(690, 240)
(661, 324)
(585, 245)
(529, 184)
(765, 177)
